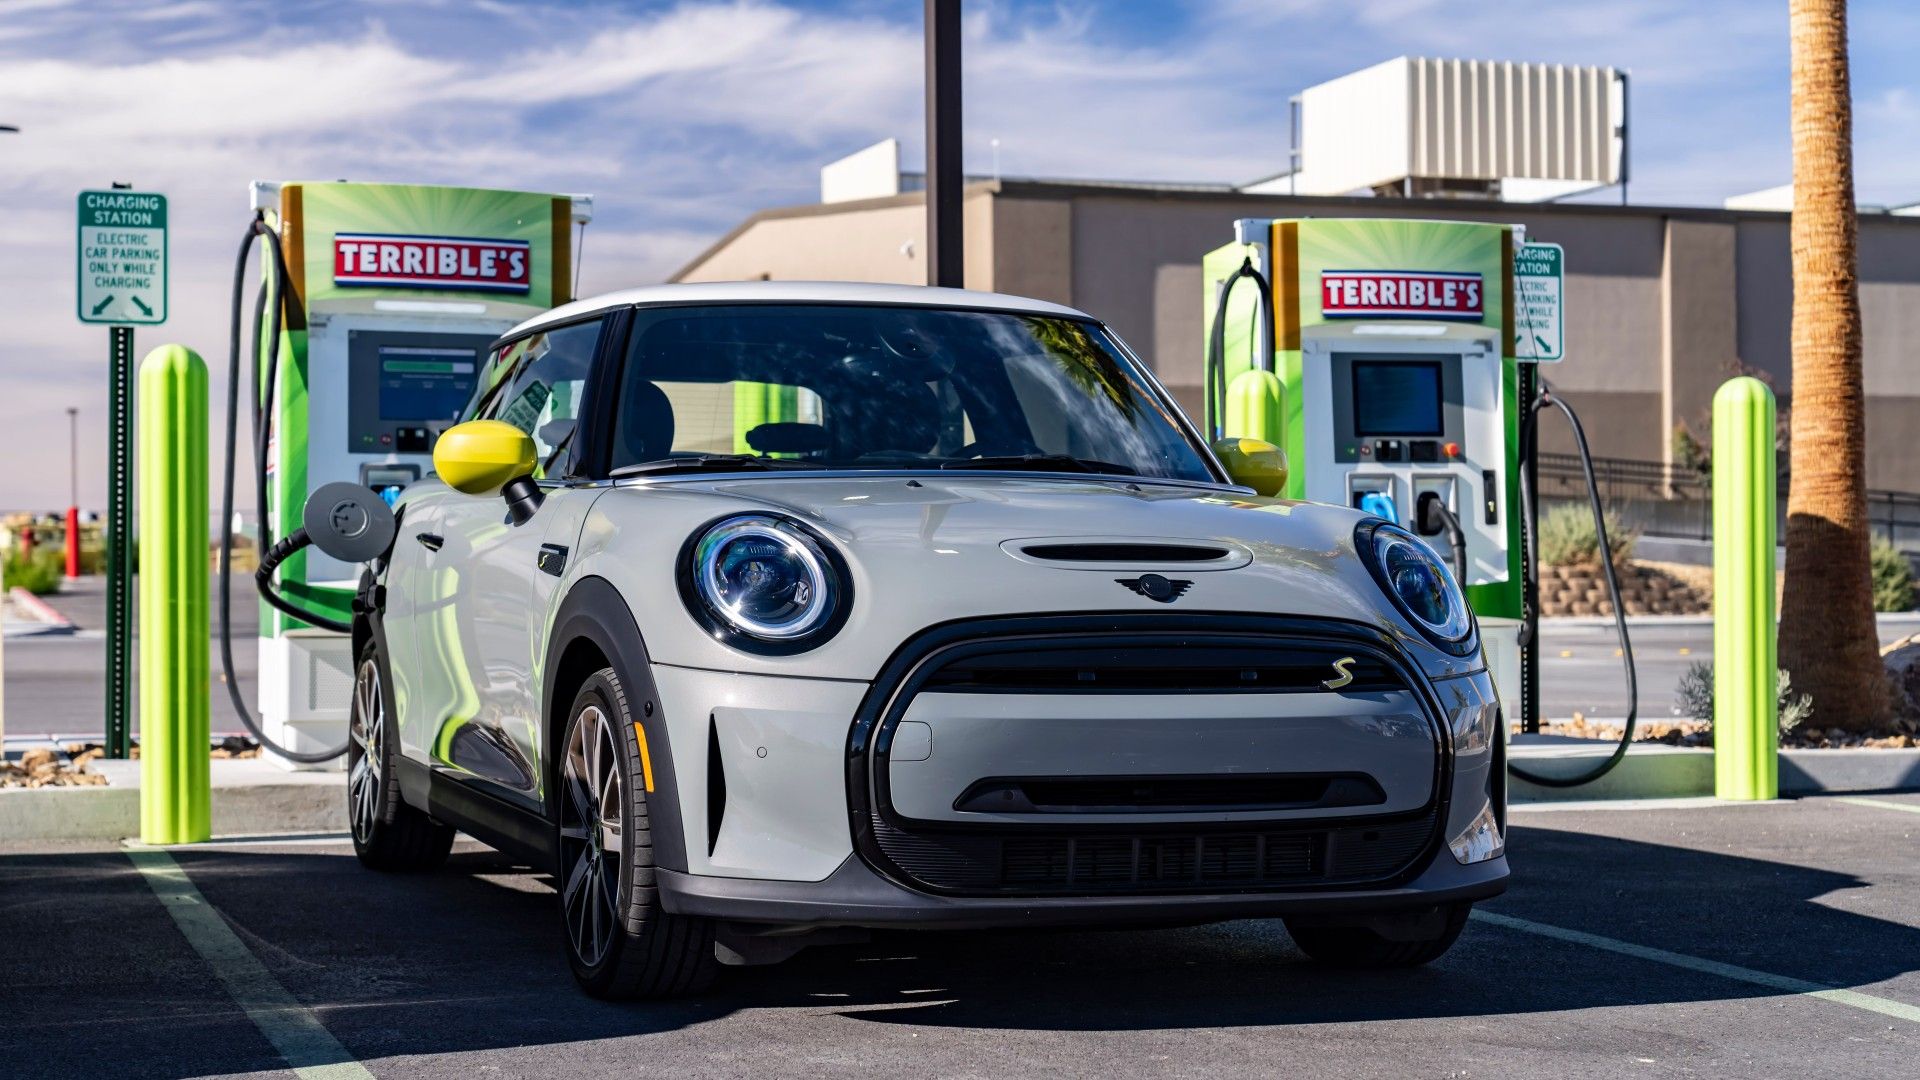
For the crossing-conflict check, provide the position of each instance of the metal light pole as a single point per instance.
(945, 178)
(73, 492)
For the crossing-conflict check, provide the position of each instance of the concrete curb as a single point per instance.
(39, 609)
(1657, 771)
(255, 797)
(1826, 772)
(25, 629)
(250, 797)
(1884, 618)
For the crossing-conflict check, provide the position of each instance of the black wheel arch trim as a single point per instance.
(368, 626)
(594, 611)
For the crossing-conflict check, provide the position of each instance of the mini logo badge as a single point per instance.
(1155, 587)
(1343, 673)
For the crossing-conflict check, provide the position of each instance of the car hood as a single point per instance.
(933, 548)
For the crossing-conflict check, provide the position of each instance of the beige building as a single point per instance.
(1662, 303)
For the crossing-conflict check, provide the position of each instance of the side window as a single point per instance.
(498, 365)
(545, 380)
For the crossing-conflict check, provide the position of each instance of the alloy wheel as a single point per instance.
(366, 750)
(592, 816)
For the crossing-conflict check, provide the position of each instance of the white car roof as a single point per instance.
(800, 292)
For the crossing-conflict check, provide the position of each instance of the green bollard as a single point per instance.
(1255, 407)
(175, 803)
(1746, 740)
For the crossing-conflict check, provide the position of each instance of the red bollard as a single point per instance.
(73, 541)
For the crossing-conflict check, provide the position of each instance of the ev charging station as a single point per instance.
(387, 300)
(1378, 353)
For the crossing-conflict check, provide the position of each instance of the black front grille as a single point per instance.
(1102, 862)
(1167, 794)
(1123, 668)
(1194, 652)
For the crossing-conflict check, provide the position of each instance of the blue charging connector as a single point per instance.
(1379, 504)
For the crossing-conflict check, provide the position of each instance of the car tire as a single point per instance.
(388, 834)
(620, 943)
(1361, 946)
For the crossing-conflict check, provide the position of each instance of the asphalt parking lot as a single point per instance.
(1765, 940)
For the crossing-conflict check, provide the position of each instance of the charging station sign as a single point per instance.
(432, 262)
(121, 270)
(1538, 272)
(1425, 294)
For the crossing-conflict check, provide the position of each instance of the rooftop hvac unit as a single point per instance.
(1472, 128)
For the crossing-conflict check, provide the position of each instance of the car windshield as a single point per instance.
(869, 387)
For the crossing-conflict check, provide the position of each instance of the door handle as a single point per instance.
(431, 540)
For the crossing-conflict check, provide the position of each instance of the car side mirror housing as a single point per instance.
(490, 457)
(1253, 463)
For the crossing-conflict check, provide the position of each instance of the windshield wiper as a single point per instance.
(1041, 463)
(708, 463)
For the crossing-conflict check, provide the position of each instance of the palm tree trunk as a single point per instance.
(1827, 636)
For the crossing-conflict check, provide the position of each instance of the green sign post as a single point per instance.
(120, 278)
(1537, 287)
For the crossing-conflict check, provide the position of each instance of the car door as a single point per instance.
(430, 679)
(486, 643)
(413, 595)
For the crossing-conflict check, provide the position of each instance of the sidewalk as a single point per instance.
(1659, 771)
(26, 615)
(83, 601)
(251, 797)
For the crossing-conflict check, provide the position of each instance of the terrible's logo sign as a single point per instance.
(1374, 294)
(432, 262)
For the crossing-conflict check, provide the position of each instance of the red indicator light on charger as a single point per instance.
(1452, 449)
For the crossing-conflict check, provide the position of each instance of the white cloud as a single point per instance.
(685, 119)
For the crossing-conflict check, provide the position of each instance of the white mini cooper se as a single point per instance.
(763, 614)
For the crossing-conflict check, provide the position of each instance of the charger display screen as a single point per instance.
(1397, 397)
(425, 382)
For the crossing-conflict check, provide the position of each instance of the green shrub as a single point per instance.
(1892, 578)
(38, 573)
(1567, 537)
(1694, 697)
(1690, 453)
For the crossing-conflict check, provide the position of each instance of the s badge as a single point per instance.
(1343, 669)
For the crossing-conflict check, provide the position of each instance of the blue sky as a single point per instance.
(684, 117)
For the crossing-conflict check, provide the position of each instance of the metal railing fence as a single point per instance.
(1675, 501)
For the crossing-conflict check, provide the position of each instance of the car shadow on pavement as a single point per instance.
(94, 979)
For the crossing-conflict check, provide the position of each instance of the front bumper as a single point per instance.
(855, 896)
(788, 820)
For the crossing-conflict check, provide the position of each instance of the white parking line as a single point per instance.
(1837, 995)
(299, 1036)
(1883, 804)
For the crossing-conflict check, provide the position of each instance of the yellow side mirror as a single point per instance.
(1254, 463)
(479, 457)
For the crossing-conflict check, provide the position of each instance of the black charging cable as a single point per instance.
(1528, 437)
(1435, 517)
(1215, 388)
(270, 555)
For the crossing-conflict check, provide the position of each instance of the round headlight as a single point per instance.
(757, 578)
(1420, 584)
